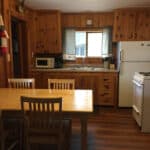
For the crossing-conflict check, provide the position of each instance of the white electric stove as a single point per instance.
(141, 100)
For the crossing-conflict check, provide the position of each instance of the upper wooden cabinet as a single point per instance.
(131, 25)
(87, 19)
(48, 32)
(143, 25)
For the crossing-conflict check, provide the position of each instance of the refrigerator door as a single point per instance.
(134, 51)
(127, 70)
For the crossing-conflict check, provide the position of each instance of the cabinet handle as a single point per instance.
(131, 36)
(106, 79)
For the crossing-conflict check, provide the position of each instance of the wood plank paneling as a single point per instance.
(80, 19)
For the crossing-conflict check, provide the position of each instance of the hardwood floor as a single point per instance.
(111, 129)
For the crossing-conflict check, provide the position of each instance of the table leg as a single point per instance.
(83, 133)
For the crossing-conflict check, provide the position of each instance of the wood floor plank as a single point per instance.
(111, 129)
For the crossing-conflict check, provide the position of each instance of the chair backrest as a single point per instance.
(42, 113)
(21, 83)
(61, 84)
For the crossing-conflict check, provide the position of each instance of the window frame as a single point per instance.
(87, 32)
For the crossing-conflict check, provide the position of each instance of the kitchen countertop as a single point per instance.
(76, 69)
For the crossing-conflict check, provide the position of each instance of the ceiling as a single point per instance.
(85, 5)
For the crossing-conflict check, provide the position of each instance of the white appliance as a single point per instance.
(134, 57)
(141, 100)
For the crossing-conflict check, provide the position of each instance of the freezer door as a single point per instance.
(127, 70)
(134, 51)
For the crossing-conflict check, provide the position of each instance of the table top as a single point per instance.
(73, 100)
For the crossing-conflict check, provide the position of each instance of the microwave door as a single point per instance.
(40, 63)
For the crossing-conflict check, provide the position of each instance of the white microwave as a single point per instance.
(44, 62)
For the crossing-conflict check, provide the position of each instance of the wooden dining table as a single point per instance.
(76, 103)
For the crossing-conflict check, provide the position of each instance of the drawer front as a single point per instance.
(106, 99)
(107, 80)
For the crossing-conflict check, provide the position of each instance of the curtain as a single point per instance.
(107, 41)
(69, 42)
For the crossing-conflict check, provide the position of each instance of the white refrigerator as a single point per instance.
(133, 57)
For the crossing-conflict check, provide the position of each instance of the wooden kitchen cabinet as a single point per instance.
(48, 32)
(131, 25)
(124, 25)
(143, 25)
(38, 76)
(103, 84)
(106, 89)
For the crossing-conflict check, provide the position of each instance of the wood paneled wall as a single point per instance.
(81, 19)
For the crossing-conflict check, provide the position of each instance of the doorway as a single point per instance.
(19, 48)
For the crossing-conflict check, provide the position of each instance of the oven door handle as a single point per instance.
(136, 83)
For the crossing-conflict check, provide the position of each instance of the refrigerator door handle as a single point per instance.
(120, 68)
(121, 55)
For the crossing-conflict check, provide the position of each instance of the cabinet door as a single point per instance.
(40, 30)
(124, 25)
(143, 25)
(38, 76)
(48, 32)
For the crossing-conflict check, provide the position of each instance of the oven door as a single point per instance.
(137, 101)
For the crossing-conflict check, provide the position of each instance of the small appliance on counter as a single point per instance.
(48, 61)
(107, 60)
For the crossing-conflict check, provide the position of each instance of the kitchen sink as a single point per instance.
(85, 68)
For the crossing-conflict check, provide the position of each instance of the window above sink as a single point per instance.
(87, 43)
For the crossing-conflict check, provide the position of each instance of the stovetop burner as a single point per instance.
(145, 73)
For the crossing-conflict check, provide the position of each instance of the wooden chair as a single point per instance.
(21, 83)
(44, 123)
(61, 84)
(10, 132)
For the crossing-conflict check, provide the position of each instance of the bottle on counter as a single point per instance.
(112, 65)
(106, 62)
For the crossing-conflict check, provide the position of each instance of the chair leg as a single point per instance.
(2, 145)
(60, 141)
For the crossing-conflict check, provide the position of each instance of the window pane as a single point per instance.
(94, 44)
(80, 44)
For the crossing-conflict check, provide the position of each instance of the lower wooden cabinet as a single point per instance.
(103, 84)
